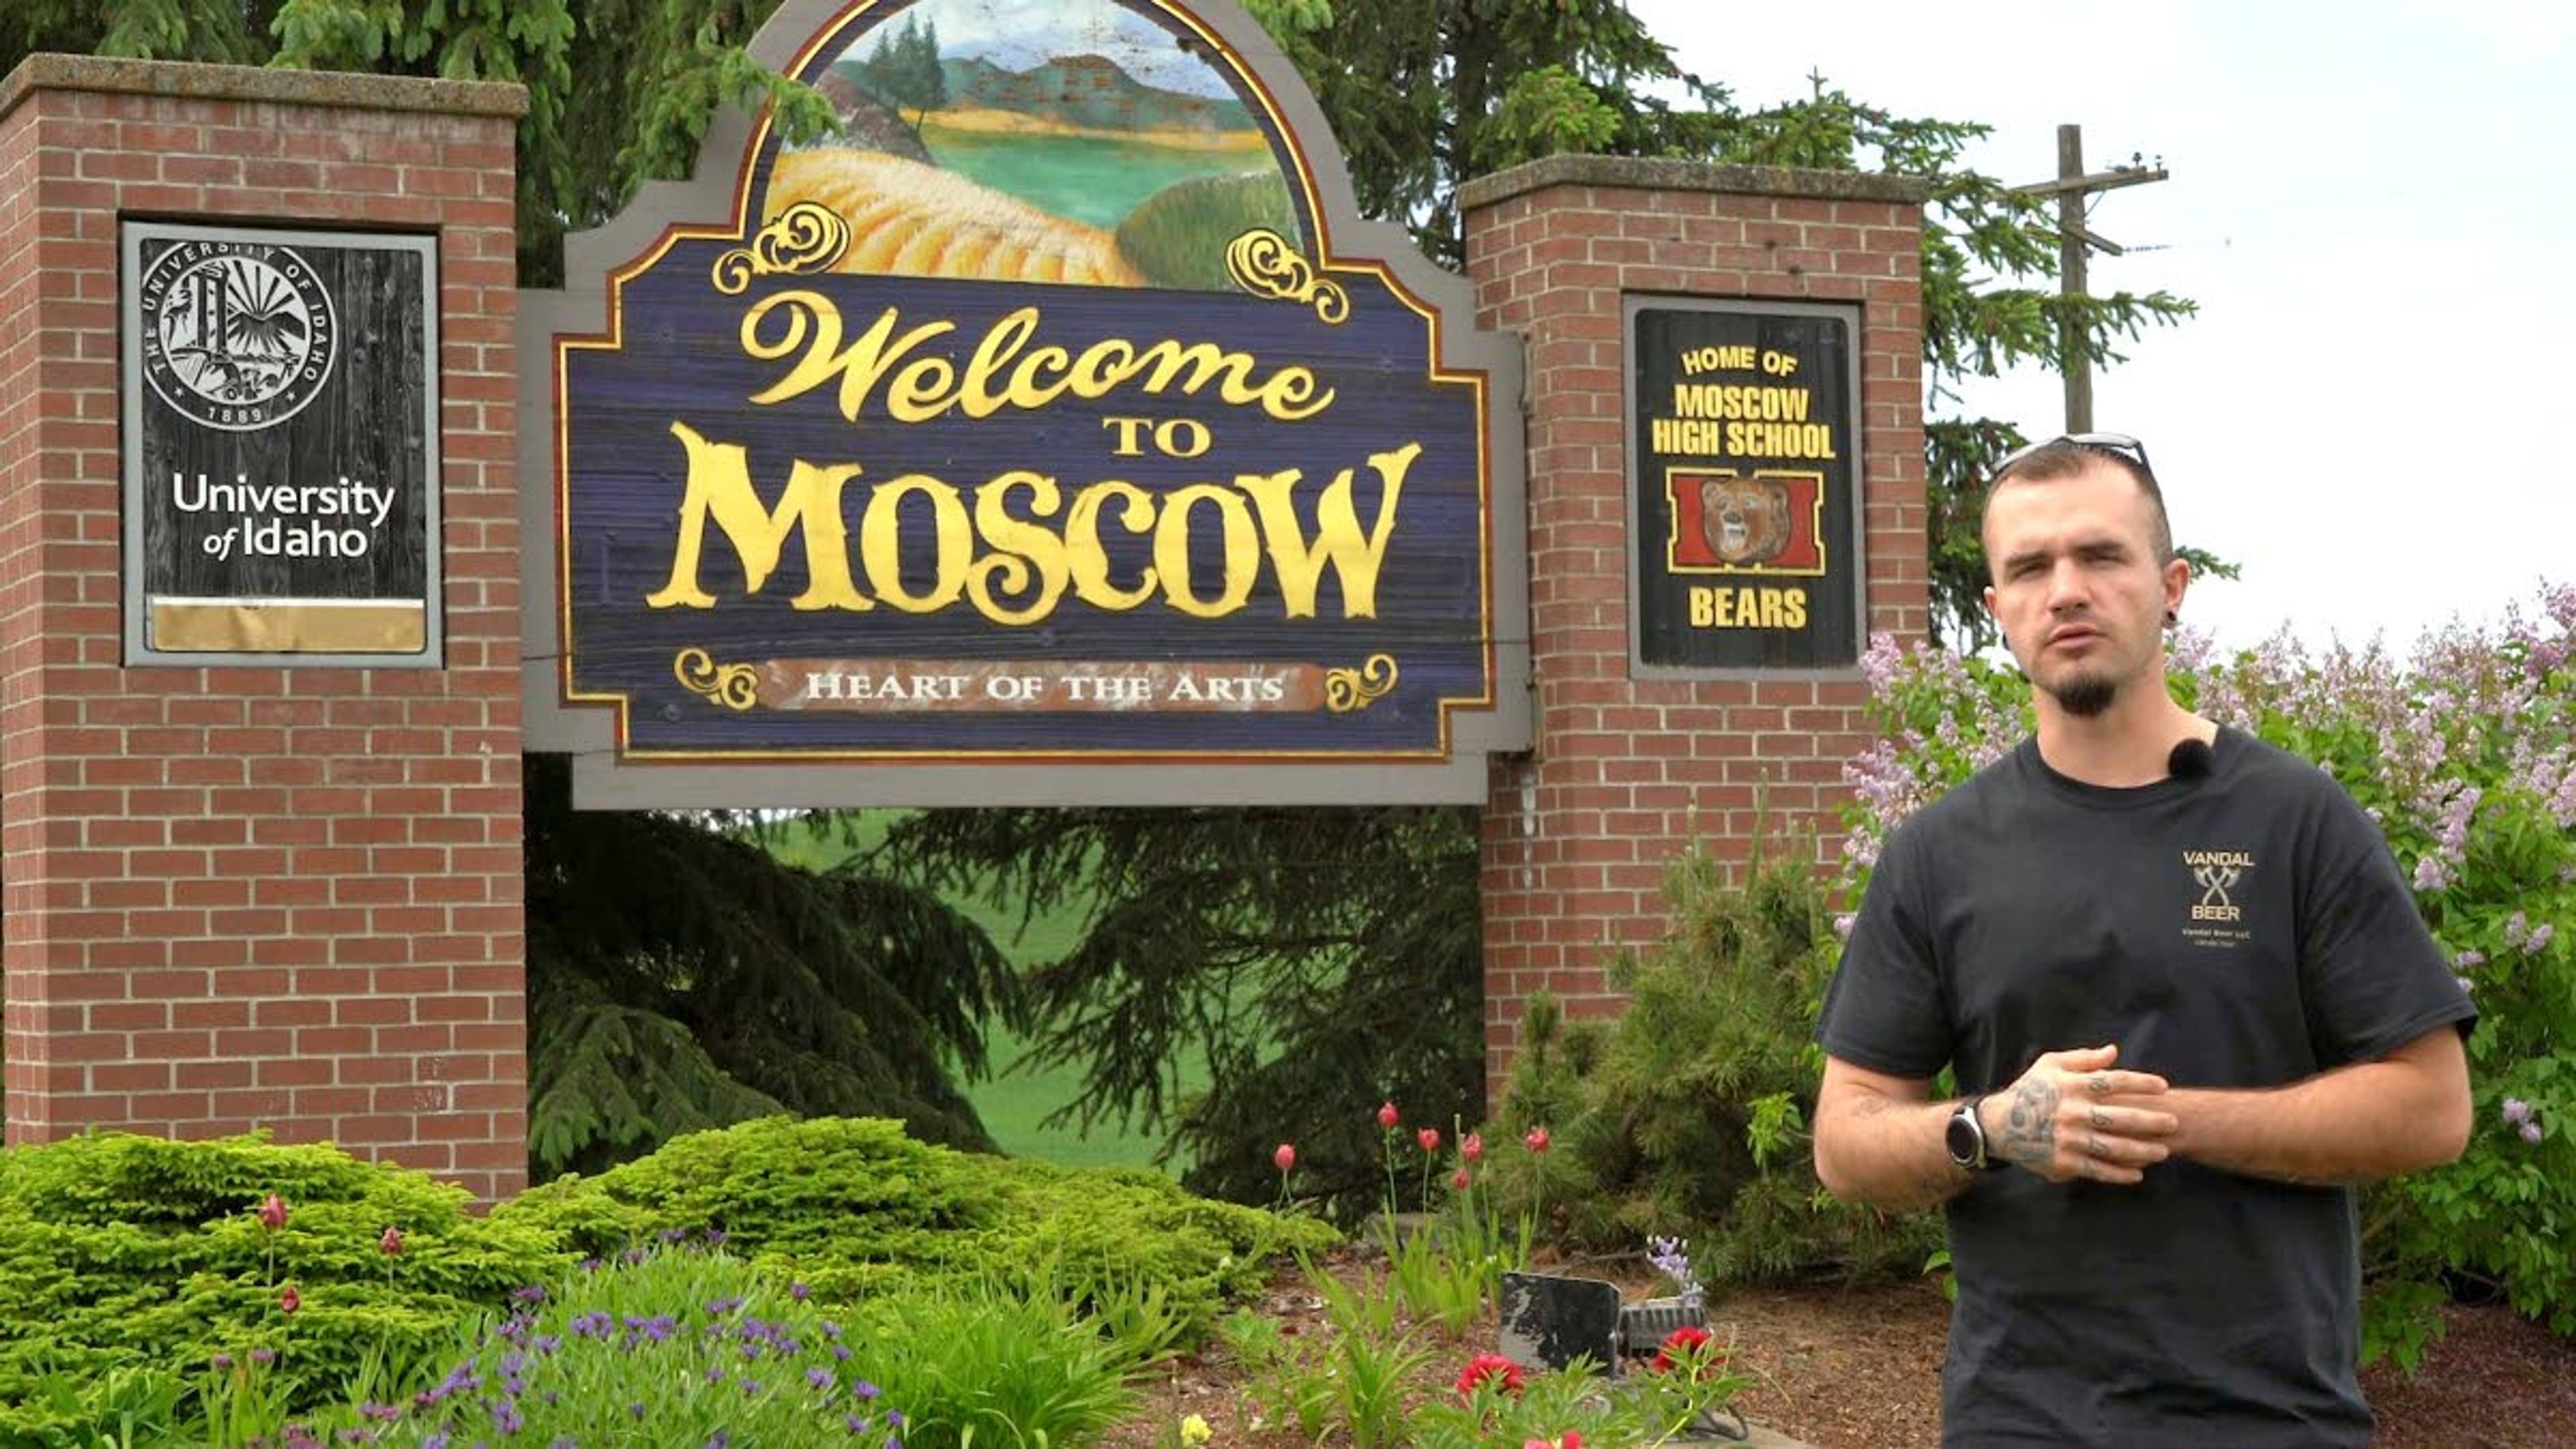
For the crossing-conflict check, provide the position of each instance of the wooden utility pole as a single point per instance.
(2070, 188)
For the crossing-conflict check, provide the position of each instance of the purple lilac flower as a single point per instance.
(2517, 1111)
(2531, 1133)
(2539, 940)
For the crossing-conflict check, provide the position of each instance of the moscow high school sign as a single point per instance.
(1049, 431)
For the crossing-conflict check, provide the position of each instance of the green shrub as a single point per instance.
(1178, 237)
(853, 1207)
(1686, 1115)
(993, 1362)
(123, 1253)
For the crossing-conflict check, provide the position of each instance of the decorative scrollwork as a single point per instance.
(735, 686)
(806, 237)
(1267, 264)
(1346, 690)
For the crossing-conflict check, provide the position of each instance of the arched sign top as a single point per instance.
(1023, 439)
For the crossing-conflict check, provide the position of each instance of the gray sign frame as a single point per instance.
(138, 599)
(1853, 315)
(604, 779)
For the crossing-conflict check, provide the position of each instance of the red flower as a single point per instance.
(1458, 1180)
(391, 1243)
(1286, 1157)
(1489, 1367)
(272, 1213)
(1536, 1141)
(1573, 1440)
(1429, 1137)
(289, 1301)
(1387, 1117)
(1685, 1340)
(1472, 1148)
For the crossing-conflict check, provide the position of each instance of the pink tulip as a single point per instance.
(1536, 1141)
(1458, 1180)
(289, 1301)
(391, 1243)
(1387, 1117)
(1286, 1157)
(1472, 1148)
(1429, 1137)
(272, 1213)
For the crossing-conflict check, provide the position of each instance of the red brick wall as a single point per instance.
(1630, 772)
(255, 897)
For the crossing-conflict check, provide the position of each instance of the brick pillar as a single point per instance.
(1630, 772)
(256, 897)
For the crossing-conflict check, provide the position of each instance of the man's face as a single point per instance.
(2076, 585)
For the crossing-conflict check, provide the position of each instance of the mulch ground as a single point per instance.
(1861, 1369)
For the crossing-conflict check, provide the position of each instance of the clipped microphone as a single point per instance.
(2191, 760)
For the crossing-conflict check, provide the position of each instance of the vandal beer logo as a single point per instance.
(2217, 873)
(237, 335)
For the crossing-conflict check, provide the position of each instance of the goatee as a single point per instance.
(2085, 695)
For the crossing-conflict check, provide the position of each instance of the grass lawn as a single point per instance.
(1016, 1099)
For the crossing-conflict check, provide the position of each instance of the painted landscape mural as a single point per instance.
(1072, 141)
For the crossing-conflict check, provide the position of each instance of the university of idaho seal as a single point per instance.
(237, 335)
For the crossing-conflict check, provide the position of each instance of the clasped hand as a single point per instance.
(2073, 1116)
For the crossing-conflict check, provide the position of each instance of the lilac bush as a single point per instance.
(2464, 751)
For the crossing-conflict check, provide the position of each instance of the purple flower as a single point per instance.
(818, 1378)
(799, 1292)
(2531, 1133)
(2539, 939)
(2517, 1111)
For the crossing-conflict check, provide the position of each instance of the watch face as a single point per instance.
(1963, 1140)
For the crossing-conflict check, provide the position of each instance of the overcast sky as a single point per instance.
(2375, 206)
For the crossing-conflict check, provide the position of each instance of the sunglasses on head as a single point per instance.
(2117, 444)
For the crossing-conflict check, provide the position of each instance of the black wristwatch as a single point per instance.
(1966, 1137)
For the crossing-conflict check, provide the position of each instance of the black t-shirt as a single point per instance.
(2244, 929)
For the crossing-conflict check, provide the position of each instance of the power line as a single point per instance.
(2074, 238)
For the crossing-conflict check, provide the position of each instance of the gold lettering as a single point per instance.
(1172, 550)
(881, 550)
(929, 387)
(719, 489)
(1024, 553)
(1355, 558)
(1090, 560)
(858, 369)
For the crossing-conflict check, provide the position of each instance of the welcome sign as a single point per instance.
(1049, 431)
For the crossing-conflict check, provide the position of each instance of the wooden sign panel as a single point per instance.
(281, 446)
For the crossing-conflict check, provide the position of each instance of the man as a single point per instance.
(2189, 1003)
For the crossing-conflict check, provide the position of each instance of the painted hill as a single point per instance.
(1087, 92)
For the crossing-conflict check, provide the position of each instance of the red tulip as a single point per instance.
(1458, 1180)
(1486, 1367)
(1387, 1117)
(391, 1243)
(1429, 1137)
(1536, 1141)
(272, 1213)
(1286, 1156)
(1681, 1341)
(1472, 1148)
(289, 1301)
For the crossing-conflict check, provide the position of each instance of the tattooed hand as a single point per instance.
(2071, 1117)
